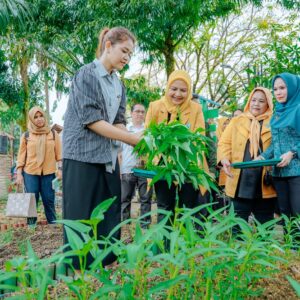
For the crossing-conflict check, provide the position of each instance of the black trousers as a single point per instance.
(166, 197)
(262, 209)
(288, 193)
(85, 186)
(129, 183)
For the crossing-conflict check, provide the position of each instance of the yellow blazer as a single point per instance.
(193, 118)
(220, 123)
(232, 146)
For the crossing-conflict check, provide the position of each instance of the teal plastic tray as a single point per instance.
(256, 163)
(144, 173)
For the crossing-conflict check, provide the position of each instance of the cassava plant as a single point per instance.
(175, 153)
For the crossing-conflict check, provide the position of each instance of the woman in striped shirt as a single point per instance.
(94, 123)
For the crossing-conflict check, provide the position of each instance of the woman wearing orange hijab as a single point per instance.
(38, 157)
(222, 123)
(177, 100)
(246, 136)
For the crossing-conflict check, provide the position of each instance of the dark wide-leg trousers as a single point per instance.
(166, 200)
(288, 193)
(166, 197)
(85, 186)
(262, 209)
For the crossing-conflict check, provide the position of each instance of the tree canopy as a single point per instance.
(45, 42)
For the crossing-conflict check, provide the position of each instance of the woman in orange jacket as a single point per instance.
(39, 158)
(178, 98)
(244, 139)
(222, 123)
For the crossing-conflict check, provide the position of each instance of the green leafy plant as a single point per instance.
(175, 153)
(291, 232)
(210, 265)
(82, 236)
(295, 284)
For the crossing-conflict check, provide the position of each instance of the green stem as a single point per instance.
(242, 269)
(208, 289)
(208, 280)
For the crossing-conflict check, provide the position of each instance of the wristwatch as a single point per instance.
(59, 168)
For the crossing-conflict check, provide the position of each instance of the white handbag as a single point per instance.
(21, 205)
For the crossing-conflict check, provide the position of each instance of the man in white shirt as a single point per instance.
(128, 161)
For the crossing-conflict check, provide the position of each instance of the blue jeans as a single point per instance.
(41, 184)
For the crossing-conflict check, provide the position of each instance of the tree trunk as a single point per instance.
(46, 87)
(44, 70)
(12, 133)
(170, 62)
(25, 82)
(169, 57)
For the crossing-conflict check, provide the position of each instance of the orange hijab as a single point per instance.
(41, 132)
(186, 105)
(254, 133)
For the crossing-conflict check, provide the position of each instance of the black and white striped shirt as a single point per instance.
(94, 95)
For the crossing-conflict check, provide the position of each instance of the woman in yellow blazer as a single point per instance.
(244, 139)
(221, 126)
(178, 98)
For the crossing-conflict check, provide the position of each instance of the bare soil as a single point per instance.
(45, 239)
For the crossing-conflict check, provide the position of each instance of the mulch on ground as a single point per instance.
(278, 287)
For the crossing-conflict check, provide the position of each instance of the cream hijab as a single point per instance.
(183, 107)
(41, 133)
(254, 133)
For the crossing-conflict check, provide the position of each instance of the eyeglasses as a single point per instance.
(139, 111)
